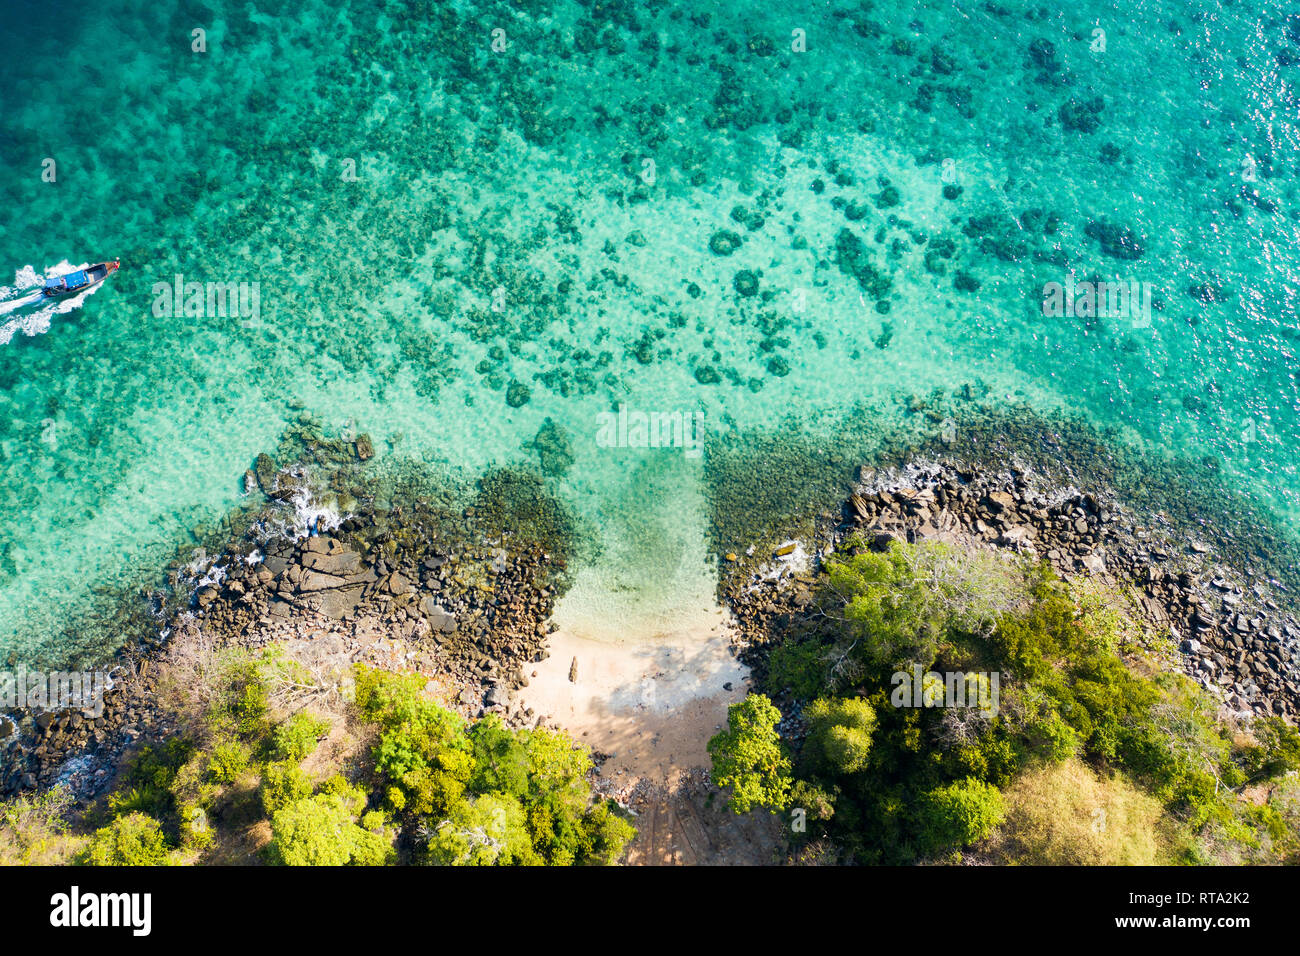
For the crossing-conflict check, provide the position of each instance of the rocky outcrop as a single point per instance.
(1234, 635)
(482, 609)
(76, 749)
(472, 616)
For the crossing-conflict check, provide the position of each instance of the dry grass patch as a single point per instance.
(1066, 815)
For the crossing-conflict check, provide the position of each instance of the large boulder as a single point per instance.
(341, 564)
(318, 581)
(438, 617)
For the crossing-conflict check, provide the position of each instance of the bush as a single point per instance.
(750, 758)
(283, 783)
(1175, 748)
(296, 737)
(195, 827)
(1105, 621)
(958, 814)
(34, 829)
(322, 831)
(228, 761)
(149, 778)
(1276, 751)
(1285, 802)
(817, 802)
(131, 840)
(192, 783)
(240, 698)
(798, 669)
(352, 796)
(1042, 730)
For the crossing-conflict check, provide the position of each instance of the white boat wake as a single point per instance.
(25, 292)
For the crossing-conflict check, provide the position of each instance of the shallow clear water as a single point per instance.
(436, 227)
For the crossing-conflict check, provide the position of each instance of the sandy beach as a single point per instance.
(651, 704)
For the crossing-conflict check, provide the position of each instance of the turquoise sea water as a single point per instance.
(467, 218)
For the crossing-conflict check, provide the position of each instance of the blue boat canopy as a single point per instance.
(55, 283)
(75, 279)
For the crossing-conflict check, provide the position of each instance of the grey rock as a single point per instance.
(338, 603)
(318, 544)
(343, 563)
(317, 581)
(439, 618)
(1093, 563)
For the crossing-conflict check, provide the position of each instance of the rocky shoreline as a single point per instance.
(401, 588)
(394, 589)
(1232, 634)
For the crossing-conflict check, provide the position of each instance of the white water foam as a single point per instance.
(304, 513)
(37, 322)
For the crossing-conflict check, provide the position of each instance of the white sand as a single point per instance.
(652, 704)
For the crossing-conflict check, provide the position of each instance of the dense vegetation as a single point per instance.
(244, 781)
(485, 794)
(1095, 751)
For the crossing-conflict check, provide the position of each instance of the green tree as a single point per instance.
(750, 758)
(557, 805)
(283, 783)
(484, 831)
(500, 759)
(839, 735)
(901, 605)
(322, 831)
(437, 769)
(133, 839)
(546, 773)
(959, 813)
(422, 755)
(606, 833)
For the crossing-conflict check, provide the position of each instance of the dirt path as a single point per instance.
(693, 827)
